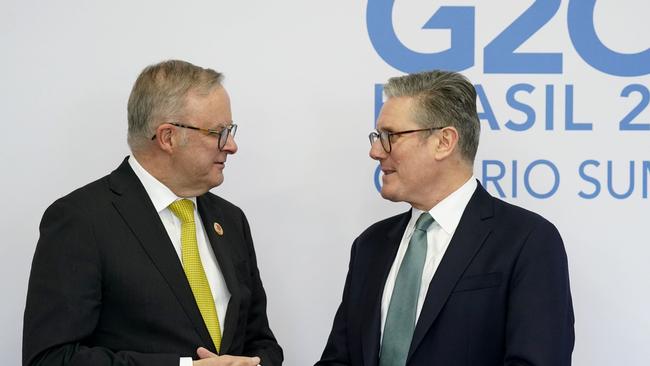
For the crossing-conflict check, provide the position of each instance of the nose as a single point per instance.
(377, 152)
(231, 146)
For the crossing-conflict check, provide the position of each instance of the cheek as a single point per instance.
(205, 156)
(411, 172)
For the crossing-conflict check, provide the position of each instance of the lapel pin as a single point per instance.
(218, 229)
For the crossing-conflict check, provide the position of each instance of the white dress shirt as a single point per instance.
(162, 197)
(447, 214)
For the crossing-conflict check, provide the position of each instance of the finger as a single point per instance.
(204, 353)
(255, 361)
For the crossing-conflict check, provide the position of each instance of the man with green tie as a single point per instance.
(461, 278)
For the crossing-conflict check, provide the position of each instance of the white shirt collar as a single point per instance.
(448, 212)
(160, 195)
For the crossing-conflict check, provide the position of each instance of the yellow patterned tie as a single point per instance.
(184, 210)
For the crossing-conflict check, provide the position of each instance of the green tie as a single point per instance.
(400, 319)
(184, 210)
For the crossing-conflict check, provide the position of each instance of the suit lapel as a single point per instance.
(132, 202)
(222, 246)
(473, 228)
(384, 251)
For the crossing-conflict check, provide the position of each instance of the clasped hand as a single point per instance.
(208, 358)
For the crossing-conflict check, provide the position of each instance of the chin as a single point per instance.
(216, 183)
(213, 182)
(389, 195)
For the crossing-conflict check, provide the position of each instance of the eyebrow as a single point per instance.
(221, 126)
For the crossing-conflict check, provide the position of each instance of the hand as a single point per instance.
(208, 358)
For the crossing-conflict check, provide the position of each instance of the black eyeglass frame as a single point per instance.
(231, 129)
(384, 136)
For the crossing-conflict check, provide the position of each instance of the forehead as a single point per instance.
(397, 114)
(212, 108)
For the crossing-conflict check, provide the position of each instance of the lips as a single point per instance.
(387, 171)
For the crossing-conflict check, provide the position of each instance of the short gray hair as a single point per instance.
(160, 92)
(443, 98)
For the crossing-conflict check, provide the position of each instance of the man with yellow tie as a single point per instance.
(145, 266)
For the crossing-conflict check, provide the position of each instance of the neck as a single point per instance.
(157, 166)
(450, 181)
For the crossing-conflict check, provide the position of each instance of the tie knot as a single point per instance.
(424, 221)
(183, 209)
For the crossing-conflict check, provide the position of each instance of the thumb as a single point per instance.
(255, 361)
(204, 353)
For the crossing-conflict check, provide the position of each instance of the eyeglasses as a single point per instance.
(387, 137)
(222, 134)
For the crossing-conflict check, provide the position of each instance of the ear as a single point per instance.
(165, 138)
(447, 142)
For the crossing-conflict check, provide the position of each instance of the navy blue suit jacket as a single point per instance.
(499, 297)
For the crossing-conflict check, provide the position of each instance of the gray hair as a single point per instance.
(160, 93)
(443, 98)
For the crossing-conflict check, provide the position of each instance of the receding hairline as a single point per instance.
(441, 98)
(161, 90)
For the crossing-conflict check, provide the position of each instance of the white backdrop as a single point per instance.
(302, 77)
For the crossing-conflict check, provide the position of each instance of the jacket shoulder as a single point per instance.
(518, 216)
(385, 226)
(220, 202)
(90, 193)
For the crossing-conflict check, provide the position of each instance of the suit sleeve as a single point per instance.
(539, 328)
(64, 297)
(336, 352)
(260, 340)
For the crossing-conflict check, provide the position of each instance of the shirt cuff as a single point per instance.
(186, 361)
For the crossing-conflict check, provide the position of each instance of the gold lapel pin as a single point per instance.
(218, 229)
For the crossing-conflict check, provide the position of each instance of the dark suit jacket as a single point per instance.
(499, 297)
(107, 287)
